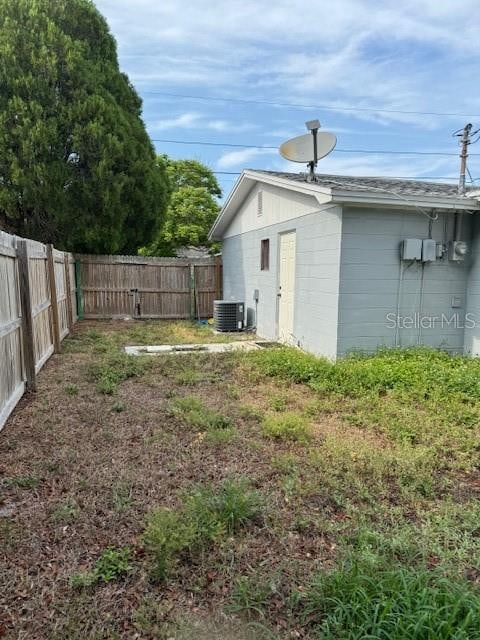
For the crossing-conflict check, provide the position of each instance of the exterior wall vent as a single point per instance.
(260, 203)
(228, 315)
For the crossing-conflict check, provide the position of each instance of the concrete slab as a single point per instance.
(178, 349)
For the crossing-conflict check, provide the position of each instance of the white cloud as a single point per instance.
(406, 55)
(183, 121)
(238, 159)
(195, 120)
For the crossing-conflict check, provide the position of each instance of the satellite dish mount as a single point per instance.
(313, 126)
(309, 148)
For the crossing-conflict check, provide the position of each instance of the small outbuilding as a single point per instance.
(345, 263)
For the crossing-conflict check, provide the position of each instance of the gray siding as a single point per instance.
(370, 286)
(472, 333)
(316, 278)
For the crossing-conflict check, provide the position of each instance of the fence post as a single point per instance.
(27, 321)
(192, 291)
(53, 298)
(218, 277)
(78, 284)
(68, 288)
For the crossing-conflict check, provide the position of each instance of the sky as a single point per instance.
(251, 72)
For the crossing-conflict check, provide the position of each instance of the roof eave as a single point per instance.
(359, 198)
(367, 198)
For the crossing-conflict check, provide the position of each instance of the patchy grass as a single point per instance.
(65, 513)
(112, 564)
(287, 426)
(193, 411)
(207, 516)
(116, 367)
(362, 600)
(23, 482)
(71, 389)
(254, 495)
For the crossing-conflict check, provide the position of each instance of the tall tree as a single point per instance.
(192, 208)
(76, 165)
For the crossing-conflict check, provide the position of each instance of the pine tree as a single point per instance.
(77, 167)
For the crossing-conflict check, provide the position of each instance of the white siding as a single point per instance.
(318, 235)
(278, 205)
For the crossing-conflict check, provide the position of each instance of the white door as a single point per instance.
(286, 286)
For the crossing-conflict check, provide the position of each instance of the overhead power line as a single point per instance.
(253, 146)
(309, 106)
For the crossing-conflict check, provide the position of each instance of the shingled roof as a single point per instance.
(350, 183)
(360, 191)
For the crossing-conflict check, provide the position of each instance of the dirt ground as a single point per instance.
(81, 470)
(110, 440)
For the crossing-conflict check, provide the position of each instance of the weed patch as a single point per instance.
(192, 411)
(250, 412)
(115, 368)
(208, 514)
(71, 390)
(122, 497)
(367, 601)
(65, 513)
(112, 564)
(167, 534)
(23, 482)
(250, 596)
(289, 425)
(189, 378)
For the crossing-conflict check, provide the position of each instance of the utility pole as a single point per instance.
(465, 139)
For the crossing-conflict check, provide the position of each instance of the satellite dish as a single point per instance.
(301, 148)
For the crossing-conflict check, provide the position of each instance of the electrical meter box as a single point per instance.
(411, 249)
(429, 250)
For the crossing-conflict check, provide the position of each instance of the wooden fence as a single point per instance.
(41, 288)
(119, 286)
(37, 310)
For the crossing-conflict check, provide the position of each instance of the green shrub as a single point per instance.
(285, 462)
(287, 426)
(112, 564)
(367, 601)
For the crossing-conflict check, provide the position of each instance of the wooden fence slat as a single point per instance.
(53, 298)
(26, 305)
(218, 278)
(68, 289)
